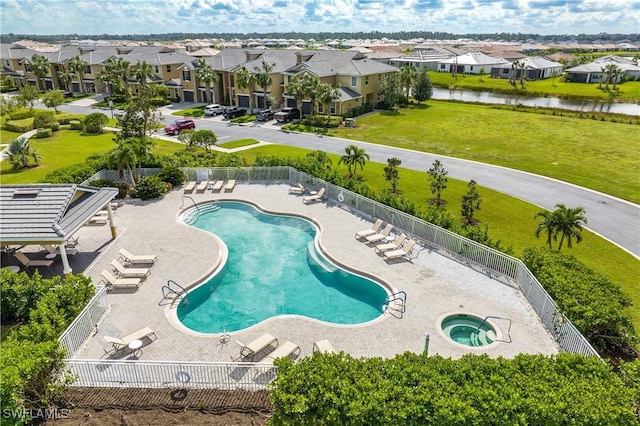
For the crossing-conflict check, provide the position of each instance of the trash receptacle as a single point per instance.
(350, 122)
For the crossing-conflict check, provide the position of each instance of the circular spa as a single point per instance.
(274, 267)
(468, 330)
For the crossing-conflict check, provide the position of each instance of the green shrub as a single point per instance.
(595, 305)
(20, 126)
(103, 183)
(67, 117)
(321, 121)
(54, 126)
(22, 114)
(95, 122)
(414, 389)
(75, 125)
(43, 133)
(75, 173)
(150, 187)
(172, 175)
(42, 119)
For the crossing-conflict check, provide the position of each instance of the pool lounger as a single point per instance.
(217, 187)
(123, 272)
(202, 186)
(128, 258)
(381, 236)
(314, 198)
(404, 252)
(230, 185)
(116, 283)
(285, 350)
(257, 345)
(121, 343)
(367, 232)
(323, 347)
(395, 245)
(189, 187)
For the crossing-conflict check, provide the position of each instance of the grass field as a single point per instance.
(238, 143)
(628, 91)
(579, 151)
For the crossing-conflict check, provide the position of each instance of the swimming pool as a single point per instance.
(273, 268)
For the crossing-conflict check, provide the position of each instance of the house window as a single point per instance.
(379, 77)
(168, 68)
(354, 81)
(366, 81)
(27, 67)
(87, 69)
(442, 66)
(186, 75)
(332, 108)
(157, 68)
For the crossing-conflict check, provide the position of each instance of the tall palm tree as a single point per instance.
(142, 72)
(326, 95)
(65, 76)
(77, 66)
(354, 157)
(408, 75)
(263, 77)
(41, 67)
(123, 156)
(548, 225)
(206, 74)
(296, 88)
(569, 223)
(310, 83)
(105, 77)
(245, 80)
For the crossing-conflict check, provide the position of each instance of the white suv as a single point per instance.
(214, 109)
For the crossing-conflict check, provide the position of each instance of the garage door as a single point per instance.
(243, 101)
(188, 95)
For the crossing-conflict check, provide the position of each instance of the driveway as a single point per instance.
(612, 218)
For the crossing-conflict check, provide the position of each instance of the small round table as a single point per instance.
(135, 346)
(14, 268)
(51, 256)
(390, 238)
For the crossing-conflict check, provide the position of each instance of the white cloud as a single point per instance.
(91, 17)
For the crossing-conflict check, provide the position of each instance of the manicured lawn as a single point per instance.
(629, 91)
(599, 155)
(238, 143)
(195, 112)
(6, 136)
(510, 220)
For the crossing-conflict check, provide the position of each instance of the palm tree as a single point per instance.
(354, 157)
(142, 72)
(245, 80)
(77, 66)
(19, 153)
(408, 75)
(142, 148)
(548, 225)
(206, 74)
(296, 88)
(41, 67)
(569, 223)
(310, 84)
(391, 173)
(105, 77)
(123, 156)
(263, 78)
(65, 76)
(326, 95)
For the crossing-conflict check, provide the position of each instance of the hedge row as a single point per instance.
(21, 126)
(414, 389)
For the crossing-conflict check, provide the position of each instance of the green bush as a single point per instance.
(67, 117)
(54, 126)
(595, 305)
(75, 173)
(22, 114)
(172, 175)
(95, 122)
(150, 187)
(414, 389)
(43, 133)
(321, 121)
(20, 126)
(75, 125)
(43, 119)
(103, 183)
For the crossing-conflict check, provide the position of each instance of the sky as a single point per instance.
(543, 17)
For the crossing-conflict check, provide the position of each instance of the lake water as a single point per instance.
(550, 102)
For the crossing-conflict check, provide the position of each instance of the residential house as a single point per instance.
(535, 68)
(470, 63)
(593, 72)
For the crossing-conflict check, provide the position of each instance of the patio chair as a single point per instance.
(380, 236)
(297, 190)
(249, 351)
(230, 185)
(217, 187)
(116, 283)
(144, 259)
(315, 197)
(123, 272)
(26, 262)
(402, 253)
(285, 350)
(323, 347)
(69, 249)
(122, 342)
(396, 244)
(189, 187)
(202, 186)
(367, 232)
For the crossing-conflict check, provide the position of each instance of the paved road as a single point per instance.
(612, 218)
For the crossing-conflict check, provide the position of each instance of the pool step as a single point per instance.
(205, 208)
(318, 259)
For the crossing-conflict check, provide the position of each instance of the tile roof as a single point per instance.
(47, 213)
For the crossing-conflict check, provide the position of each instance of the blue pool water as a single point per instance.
(273, 269)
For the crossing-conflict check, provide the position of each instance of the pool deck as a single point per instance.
(435, 286)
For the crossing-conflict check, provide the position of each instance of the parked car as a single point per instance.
(265, 115)
(233, 112)
(179, 125)
(214, 109)
(287, 115)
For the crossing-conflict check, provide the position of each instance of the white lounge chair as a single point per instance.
(115, 283)
(285, 350)
(22, 258)
(396, 244)
(230, 185)
(69, 249)
(373, 230)
(190, 187)
(128, 258)
(257, 345)
(123, 272)
(217, 187)
(298, 190)
(315, 197)
(323, 347)
(202, 186)
(379, 236)
(404, 252)
(123, 342)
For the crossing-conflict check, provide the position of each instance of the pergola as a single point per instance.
(42, 214)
